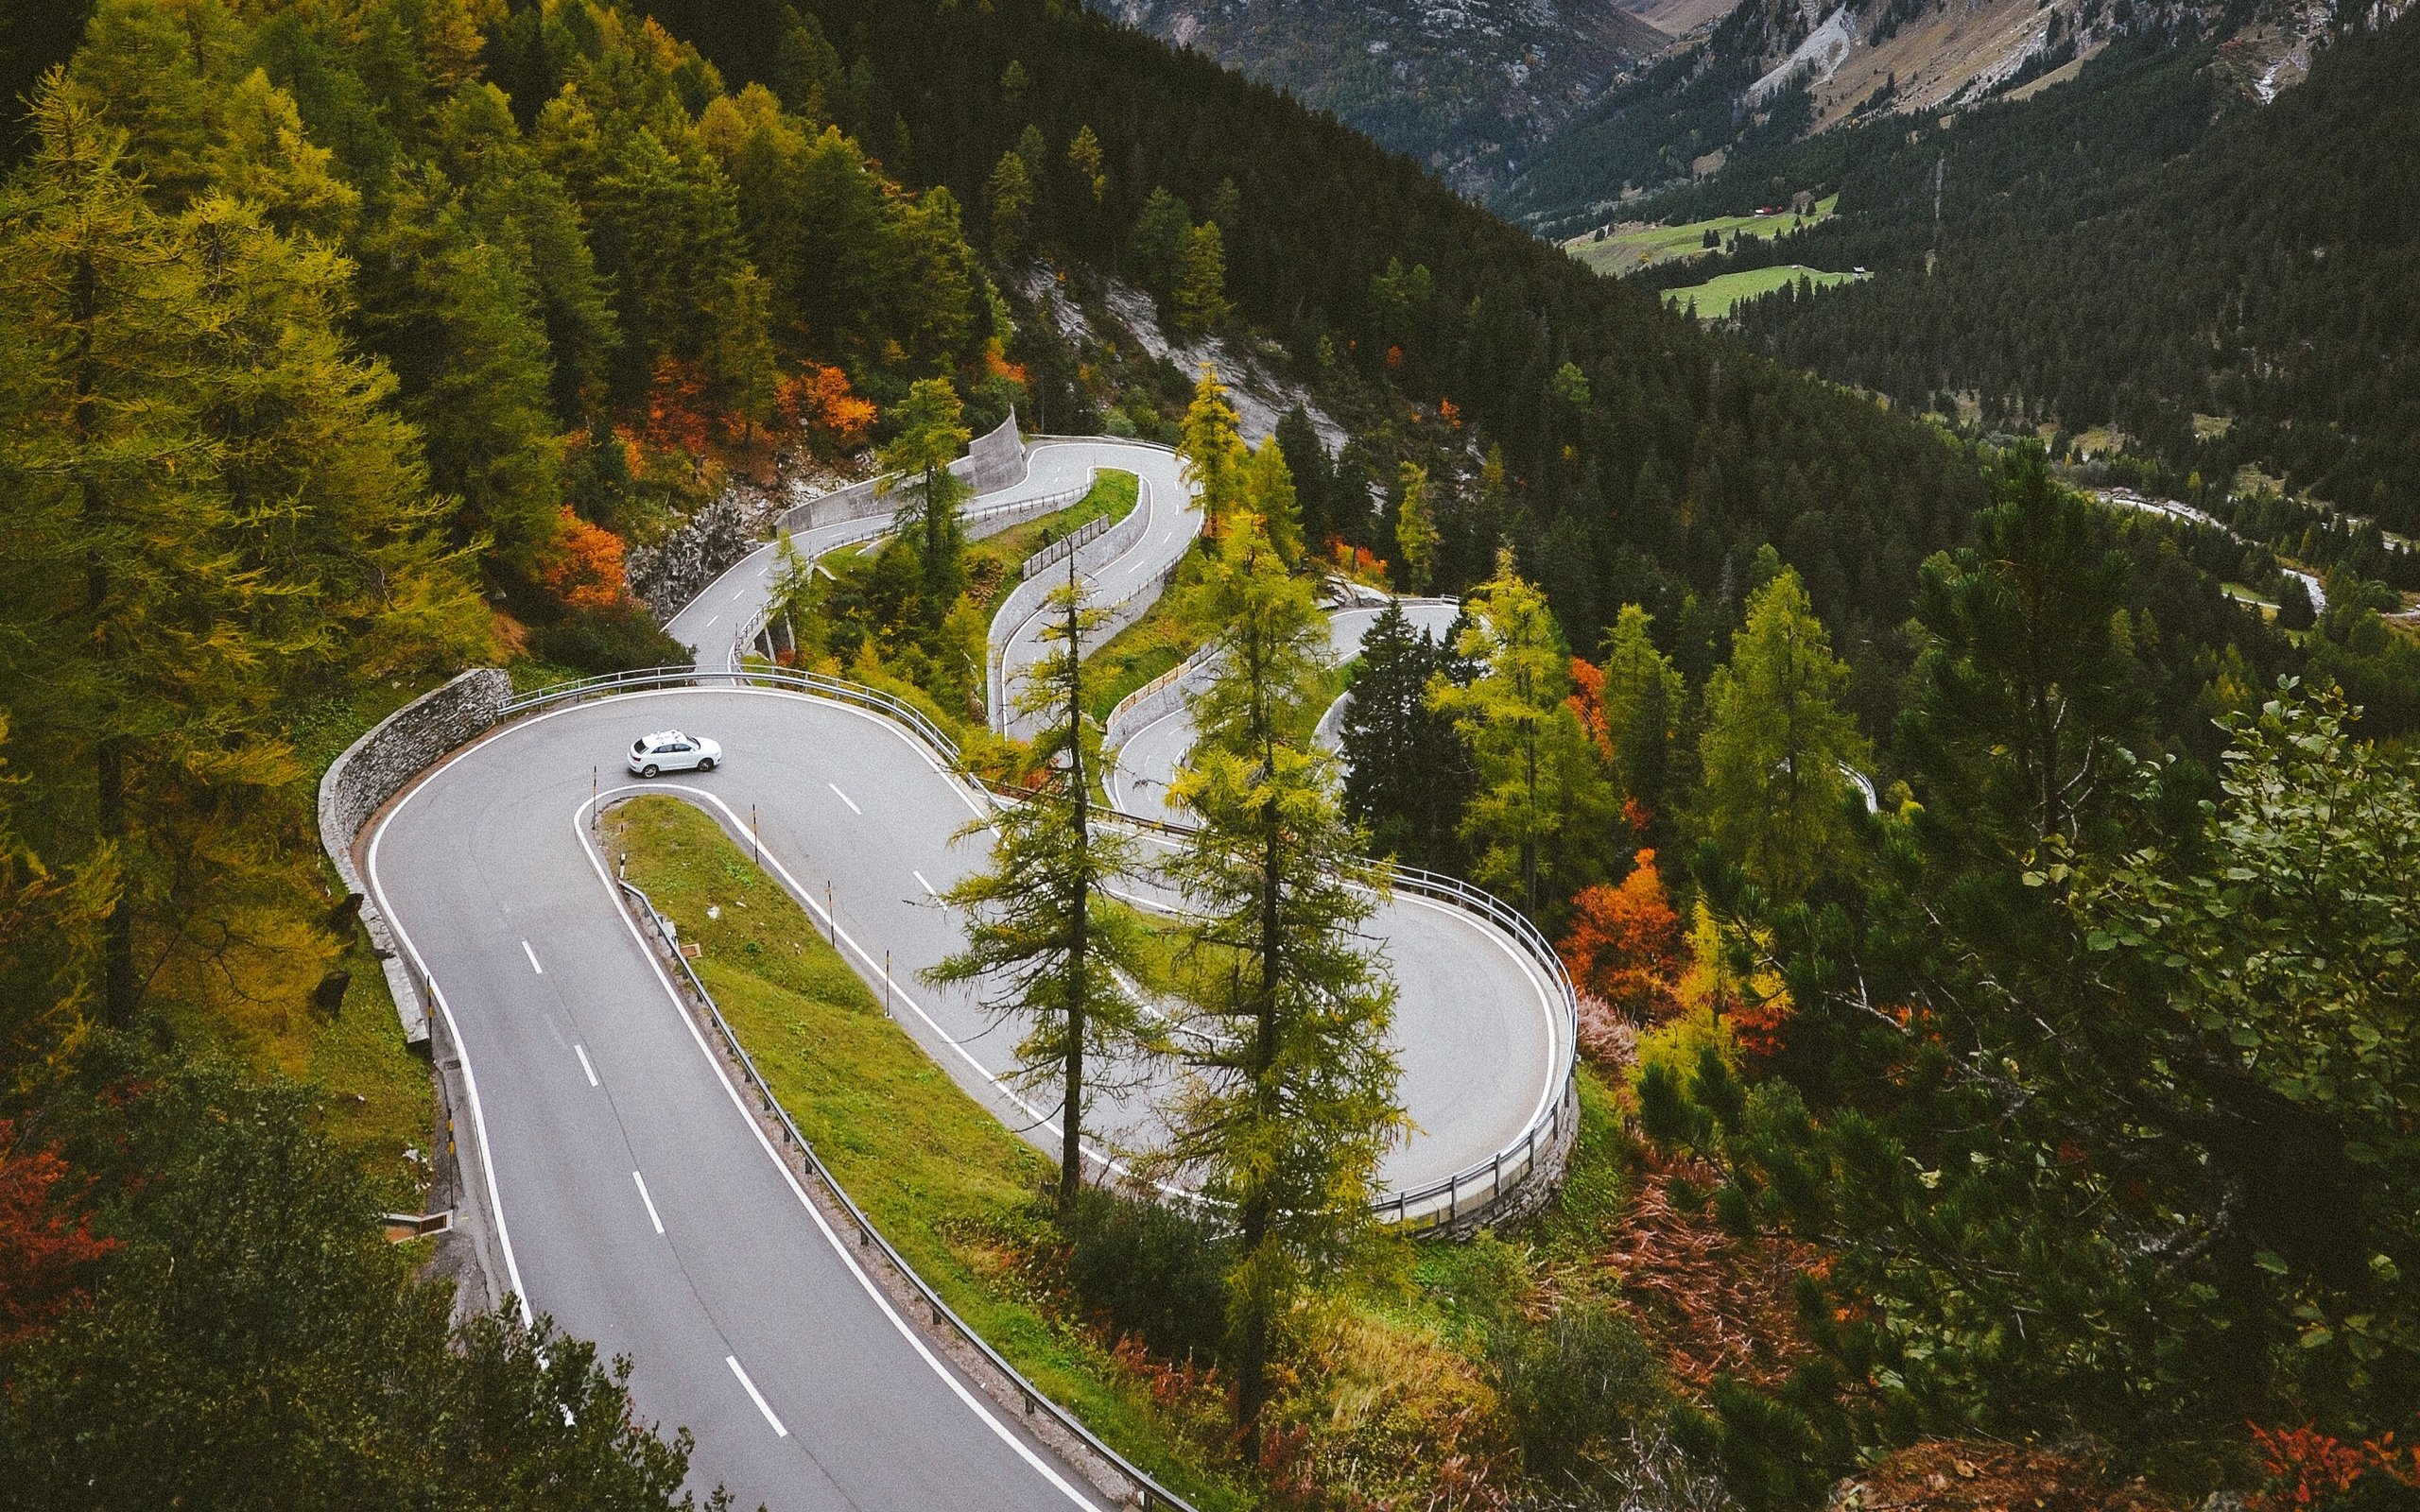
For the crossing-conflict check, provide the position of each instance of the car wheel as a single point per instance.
(706, 764)
(648, 771)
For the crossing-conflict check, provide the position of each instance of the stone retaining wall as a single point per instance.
(1536, 1187)
(373, 769)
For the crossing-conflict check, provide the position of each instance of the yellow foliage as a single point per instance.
(1379, 1404)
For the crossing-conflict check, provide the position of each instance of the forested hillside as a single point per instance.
(331, 367)
(1468, 90)
(1995, 967)
(2148, 252)
(1639, 461)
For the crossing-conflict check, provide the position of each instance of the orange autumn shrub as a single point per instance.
(2303, 1467)
(1624, 945)
(585, 572)
(679, 414)
(1587, 703)
(819, 402)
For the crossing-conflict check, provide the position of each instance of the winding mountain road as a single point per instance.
(1143, 767)
(635, 1198)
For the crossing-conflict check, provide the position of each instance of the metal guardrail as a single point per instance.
(1149, 1493)
(1083, 535)
(1024, 600)
(1469, 1191)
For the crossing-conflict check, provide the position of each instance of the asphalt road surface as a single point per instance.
(1147, 763)
(1174, 520)
(637, 1202)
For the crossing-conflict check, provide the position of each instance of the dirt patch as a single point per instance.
(1952, 1475)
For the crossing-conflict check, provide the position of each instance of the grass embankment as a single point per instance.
(1637, 245)
(1716, 298)
(947, 1183)
(1170, 630)
(1387, 1374)
(1112, 497)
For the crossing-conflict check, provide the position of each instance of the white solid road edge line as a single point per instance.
(755, 1395)
(875, 974)
(652, 1215)
(975, 1405)
(463, 1056)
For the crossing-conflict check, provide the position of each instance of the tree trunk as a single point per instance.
(1252, 1327)
(1071, 1148)
(118, 992)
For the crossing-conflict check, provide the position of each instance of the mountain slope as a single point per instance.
(2249, 298)
(1467, 87)
(1774, 72)
(1642, 461)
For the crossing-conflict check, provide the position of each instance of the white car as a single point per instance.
(672, 751)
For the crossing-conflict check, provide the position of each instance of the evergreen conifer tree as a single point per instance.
(1199, 295)
(1543, 811)
(1292, 1100)
(1406, 772)
(1777, 744)
(1041, 928)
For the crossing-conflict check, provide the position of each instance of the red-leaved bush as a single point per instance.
(45, 1246)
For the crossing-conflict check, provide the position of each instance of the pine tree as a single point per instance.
(1269, 490)
(1641, 699)
(1199, 292)
(1415, 531)
(1211, 446)
(2024, 693)
(1012, 199)
(1540, 815)
(1777, 746)
(1292, 1102)
(1040, 925)
(1153, 247)
(215, 509)
(1269, 622)
(1084, 156)
(1306, 460)
(747, 371)
(931, 434)
(1406, 772)
(460, 318)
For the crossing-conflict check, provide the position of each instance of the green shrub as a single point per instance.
(1152, 1272)
(1569, 1382)
(616, 640)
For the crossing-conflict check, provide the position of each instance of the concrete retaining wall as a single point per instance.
(373, 769)
(994, 460)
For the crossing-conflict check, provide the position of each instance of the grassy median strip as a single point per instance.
(951, 1188)
(1112, 497)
